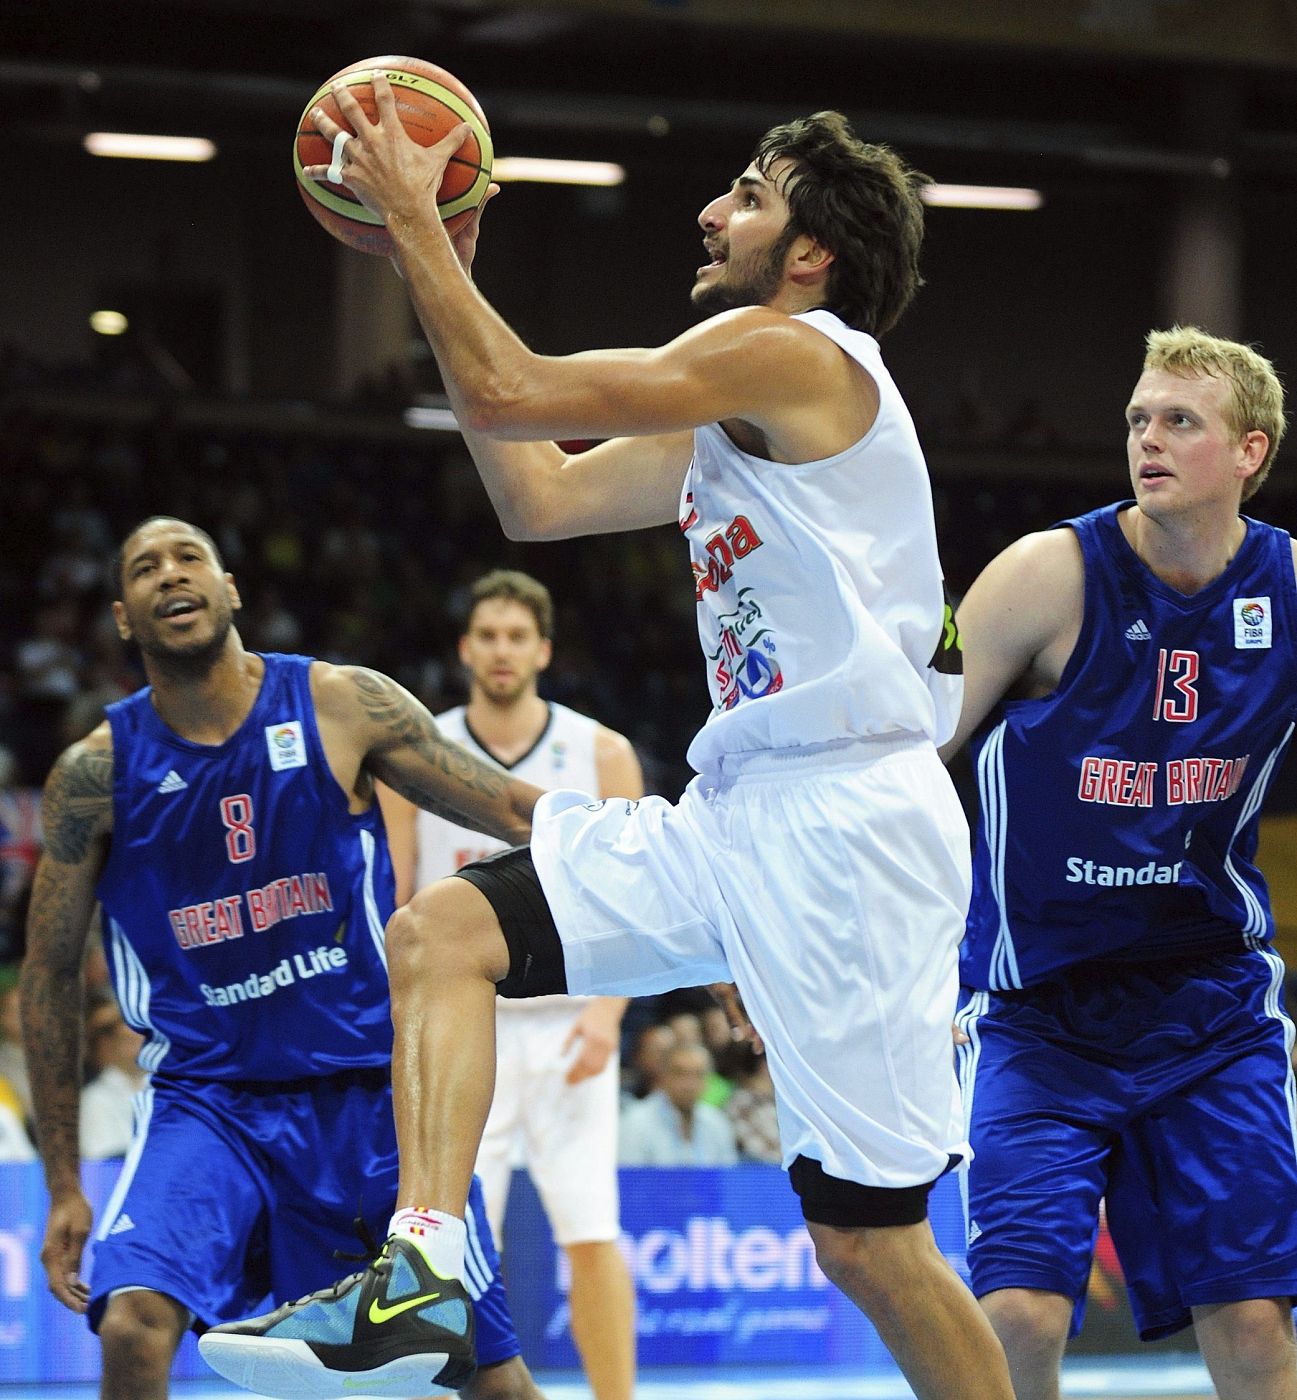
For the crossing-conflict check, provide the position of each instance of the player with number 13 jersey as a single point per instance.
(1140, 845)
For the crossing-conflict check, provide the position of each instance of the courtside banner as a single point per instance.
(40, 1340)
(723, 1268)
(724, 1273)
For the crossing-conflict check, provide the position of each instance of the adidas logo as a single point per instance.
(1138, 632)
(173, 782)
(123, 1221)
(974, 1231)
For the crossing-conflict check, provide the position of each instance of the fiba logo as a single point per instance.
(1252, 624)
(286, 745)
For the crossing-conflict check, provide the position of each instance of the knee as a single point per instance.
(1254, 1337)
(410, 936)
(140, 1331)
(1031, 1324)
(443, 931)
(875, 1266)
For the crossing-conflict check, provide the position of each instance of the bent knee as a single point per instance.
(449, 927)
(873, 1261)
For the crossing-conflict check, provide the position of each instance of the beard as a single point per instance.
(189, 660)
(754, 284)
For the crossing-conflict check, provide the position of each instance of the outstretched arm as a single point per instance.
(398, 743)
(77, 819)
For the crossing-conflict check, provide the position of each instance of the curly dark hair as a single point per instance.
(862, 202)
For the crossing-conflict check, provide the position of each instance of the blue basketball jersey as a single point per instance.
(244, 904)
(1119, 813)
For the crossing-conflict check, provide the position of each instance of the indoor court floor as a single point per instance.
(1091, 1378)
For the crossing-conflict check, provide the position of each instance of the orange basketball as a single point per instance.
(430, 102)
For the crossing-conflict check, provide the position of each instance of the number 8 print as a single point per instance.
(240, 839)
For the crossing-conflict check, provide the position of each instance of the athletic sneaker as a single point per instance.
(395, 1328)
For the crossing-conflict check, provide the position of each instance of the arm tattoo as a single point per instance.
(77, 812)
(415, 759)
(78, 798)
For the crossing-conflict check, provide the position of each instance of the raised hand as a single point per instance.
(388, 170)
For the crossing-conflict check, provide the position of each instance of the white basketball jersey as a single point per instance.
(563, 757)
(819, 590)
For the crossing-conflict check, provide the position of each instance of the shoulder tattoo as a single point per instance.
(77, 804)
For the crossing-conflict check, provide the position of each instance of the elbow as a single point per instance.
(493, 407)
(526, 528)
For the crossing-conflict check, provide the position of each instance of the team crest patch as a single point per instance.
(1252, 623)
(286, 745)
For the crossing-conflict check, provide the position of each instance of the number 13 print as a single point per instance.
(1177, 694)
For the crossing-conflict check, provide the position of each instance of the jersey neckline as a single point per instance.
(1187, 602)
(522, 757)
(163, 731)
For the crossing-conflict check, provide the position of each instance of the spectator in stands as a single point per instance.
(107, 1113)
(751, 1107)
(672, 1127)
(20, 847)
(15, 1087)
(644, 1065)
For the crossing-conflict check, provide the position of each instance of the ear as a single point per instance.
(463, 650)
(809, 261)
(546, 653)
(119, 617)
(1254, 447)
(235, 601)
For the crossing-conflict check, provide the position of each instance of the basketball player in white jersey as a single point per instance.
(820, 859)
(556, 1082)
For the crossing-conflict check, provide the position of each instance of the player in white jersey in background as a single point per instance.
(821, 857)
(556, 1084)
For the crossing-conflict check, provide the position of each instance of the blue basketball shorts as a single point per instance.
(231, 1200)
(1166, 1092)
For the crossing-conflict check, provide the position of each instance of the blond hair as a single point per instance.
(1255, 402)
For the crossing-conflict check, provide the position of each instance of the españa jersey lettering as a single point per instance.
(244, 904)
(563, 757)
(1119, 814)
(821, 610)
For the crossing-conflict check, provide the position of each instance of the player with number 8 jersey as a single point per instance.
(225, 818)
(260, 886)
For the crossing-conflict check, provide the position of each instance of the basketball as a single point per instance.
(430, 102)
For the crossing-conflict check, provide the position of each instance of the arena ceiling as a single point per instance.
(998, 90)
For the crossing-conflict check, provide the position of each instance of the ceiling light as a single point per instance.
(537, 170)
(140, 147)
(438, 419)
(981, 197)
(108, 323)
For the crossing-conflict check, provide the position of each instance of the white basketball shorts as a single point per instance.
(567, 1132)
(831, 884)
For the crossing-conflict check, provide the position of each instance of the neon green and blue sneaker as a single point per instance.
(395, 1328)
